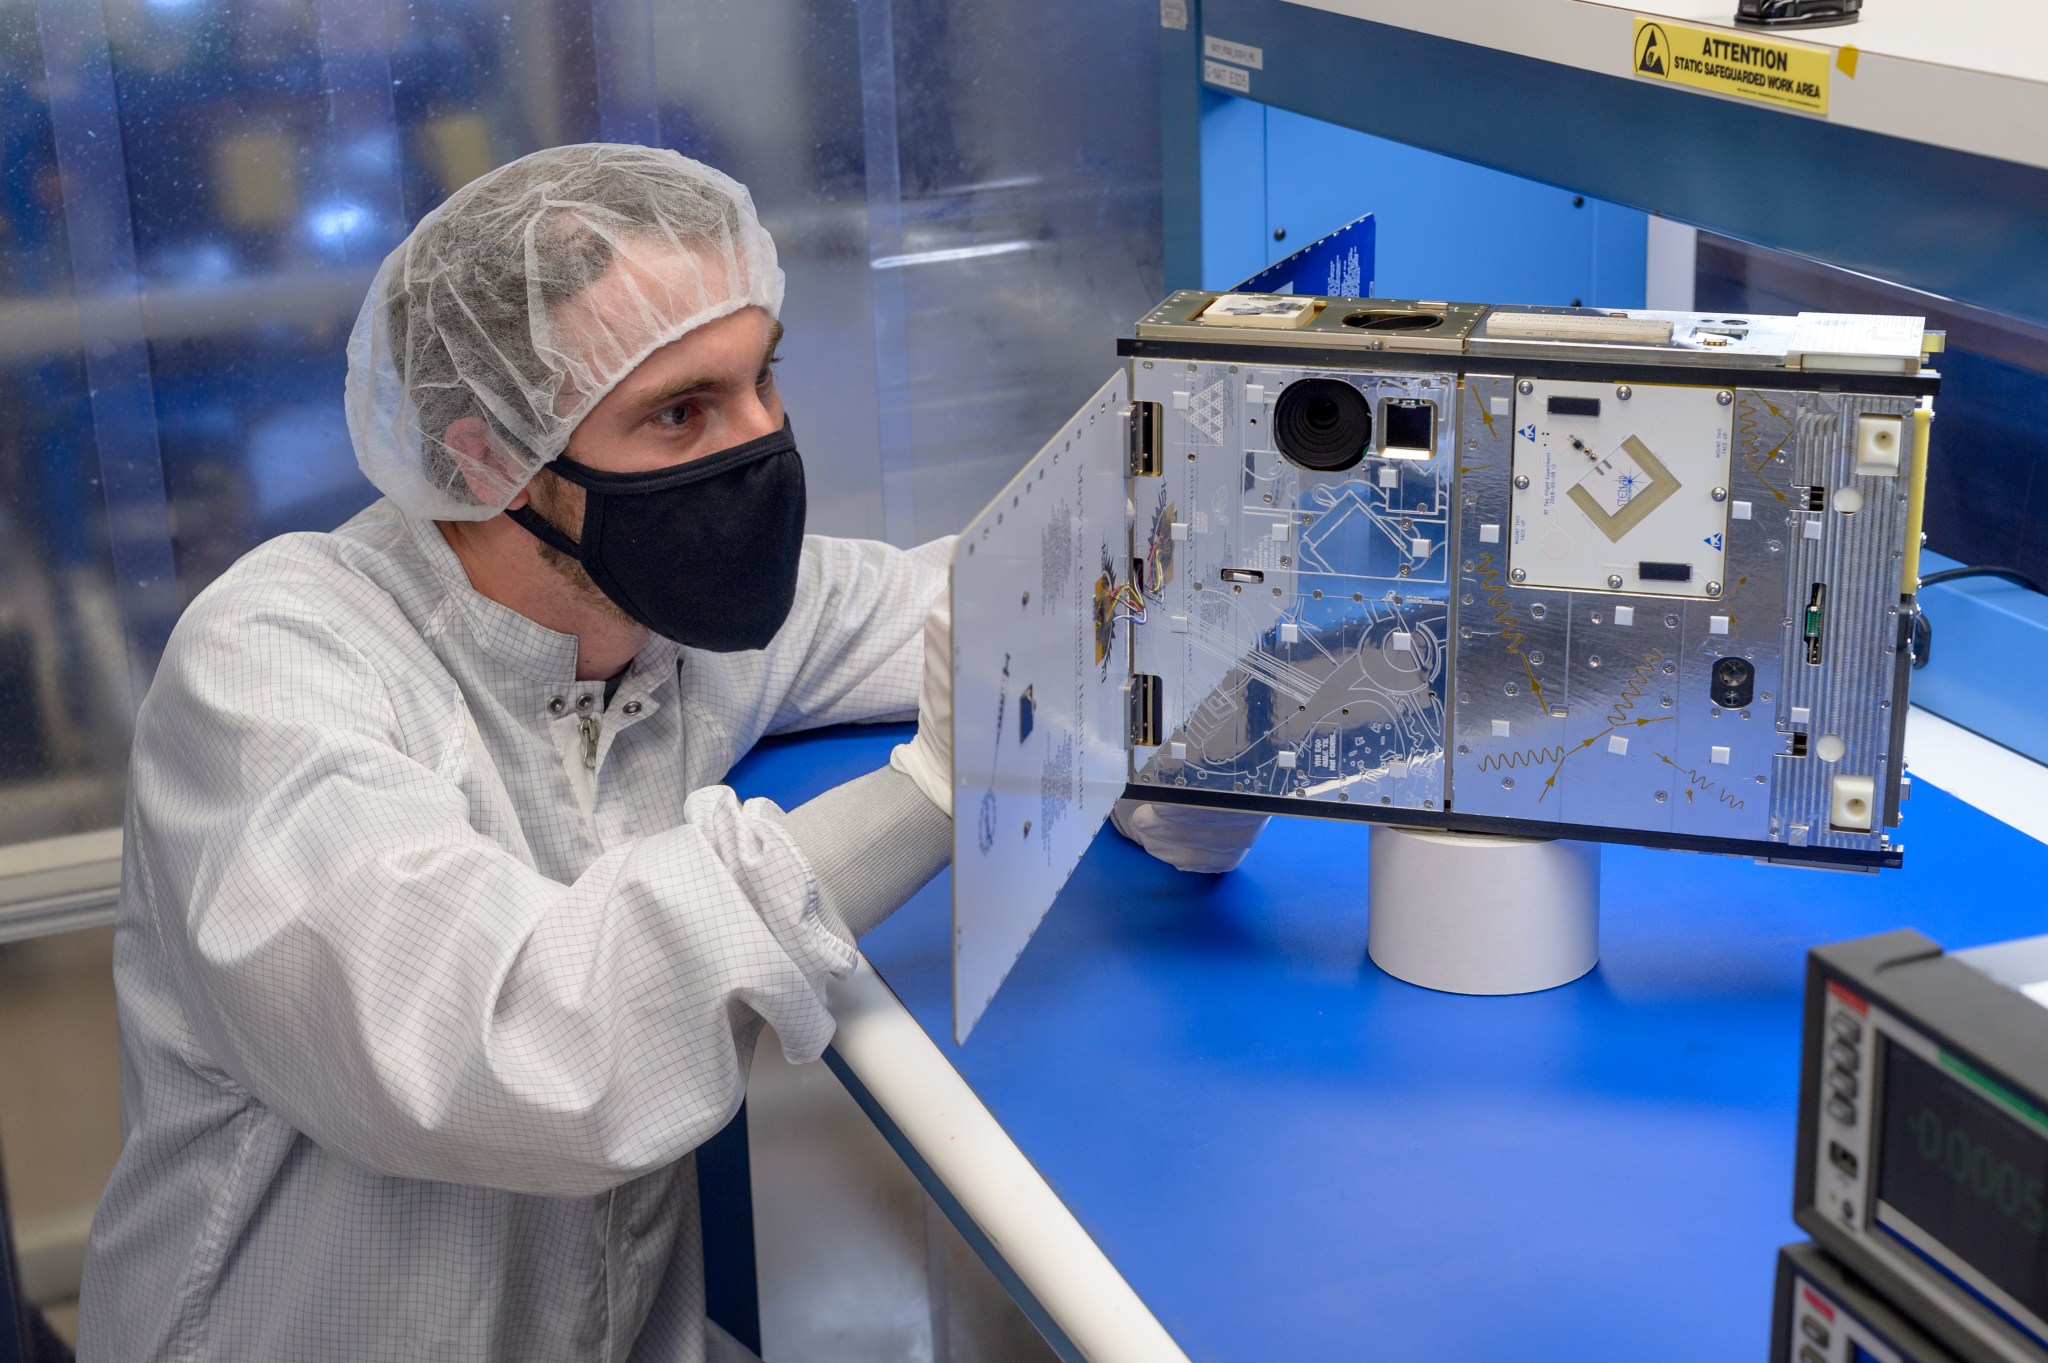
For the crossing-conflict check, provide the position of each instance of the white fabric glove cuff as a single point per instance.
(1189, 837)
(916, 761)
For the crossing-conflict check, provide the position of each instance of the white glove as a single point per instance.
(928, 758)
(1189, 837)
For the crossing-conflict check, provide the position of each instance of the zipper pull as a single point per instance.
(588, 725)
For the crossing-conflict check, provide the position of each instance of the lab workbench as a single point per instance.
(1288, 1154)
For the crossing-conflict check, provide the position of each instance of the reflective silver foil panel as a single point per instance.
(1298, 621)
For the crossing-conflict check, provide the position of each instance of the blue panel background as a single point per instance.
(1236, 243)
(1447, 228)
(1988, 636)
(1966, 227)
(1339, 262)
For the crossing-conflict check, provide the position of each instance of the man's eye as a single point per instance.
(678, 415)
(767, 373)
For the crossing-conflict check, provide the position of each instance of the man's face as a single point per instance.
(707, 391)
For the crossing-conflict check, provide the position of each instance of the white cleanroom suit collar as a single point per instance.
(518, 643)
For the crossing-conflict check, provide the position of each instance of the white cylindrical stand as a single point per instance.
(1476, 914)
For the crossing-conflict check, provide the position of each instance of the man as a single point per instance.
(440, 947)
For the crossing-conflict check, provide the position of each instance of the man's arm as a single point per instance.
(873, 842)
(415, 997)
(855, 633)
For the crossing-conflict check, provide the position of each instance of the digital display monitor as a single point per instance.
(1962, 1176)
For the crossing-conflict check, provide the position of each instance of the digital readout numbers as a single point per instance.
(1990, 1178)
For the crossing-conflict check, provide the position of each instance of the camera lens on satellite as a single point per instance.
(1322, 424)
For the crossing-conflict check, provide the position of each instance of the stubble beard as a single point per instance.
(548, 501)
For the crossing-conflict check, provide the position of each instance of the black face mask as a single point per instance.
(704, 553)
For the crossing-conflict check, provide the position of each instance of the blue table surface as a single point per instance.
(1291, 1155)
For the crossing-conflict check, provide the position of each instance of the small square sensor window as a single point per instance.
(1407, 428)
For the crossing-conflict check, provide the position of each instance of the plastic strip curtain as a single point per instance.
(885, 250)
(85, 121)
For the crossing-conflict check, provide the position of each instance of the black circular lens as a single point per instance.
(1322, 424)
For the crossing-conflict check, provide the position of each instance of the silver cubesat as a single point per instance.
(1619, 575)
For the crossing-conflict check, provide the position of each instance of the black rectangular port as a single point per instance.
(1816, 498)
(1799, 745)
(1408, 428)
(1243, 575)
(1146, 700)
(1664, 572)
(1842, 1158)
(1816, 600)
(1574, 406)
(1141, 439)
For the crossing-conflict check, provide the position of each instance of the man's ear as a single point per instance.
(483, 462)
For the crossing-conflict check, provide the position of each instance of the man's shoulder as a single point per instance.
(365, 581)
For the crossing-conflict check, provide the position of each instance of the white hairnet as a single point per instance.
(524, 298)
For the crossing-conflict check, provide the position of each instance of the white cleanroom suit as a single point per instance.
(433, 966)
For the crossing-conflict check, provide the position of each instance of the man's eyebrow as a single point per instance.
(675, 390)
(678, 389)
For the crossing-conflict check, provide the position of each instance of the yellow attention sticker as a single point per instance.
(1786, 74)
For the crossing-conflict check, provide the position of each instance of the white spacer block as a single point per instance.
(1489, 534)
(1290, 633)
(1418, 548)
(1717, 624)
(1389, 476)
(1180, 402)
(1802, 715)
(1177, 623)
(1500, 407)
(1402, 641)
(1743, 511)
(1255, 393)
(1177, 751)
(1880, 441)
(1500, 728)
(1286, 761)
(1282, 529)
(1617, 744)
(1624, 615)
(1812, 528)
(1178, 531)
(1853, 805)
(1718, 755)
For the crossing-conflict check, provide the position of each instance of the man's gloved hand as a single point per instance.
(1189, 837)
(928, 758)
